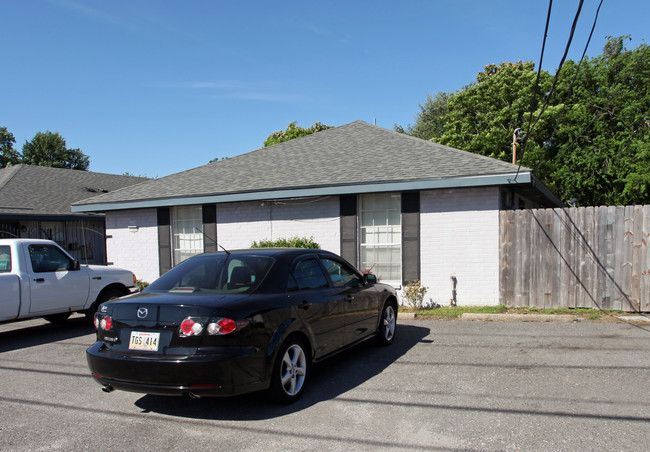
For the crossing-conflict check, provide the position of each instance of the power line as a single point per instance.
(539, 67)
(573, 82)
(555, 79)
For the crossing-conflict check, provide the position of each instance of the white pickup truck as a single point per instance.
(39, 279)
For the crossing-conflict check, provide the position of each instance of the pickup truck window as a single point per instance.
(5, 259)
(48, 258)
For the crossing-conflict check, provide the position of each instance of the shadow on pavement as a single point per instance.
(329, 380)
(13, 337)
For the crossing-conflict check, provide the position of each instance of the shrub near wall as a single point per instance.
(294, 242)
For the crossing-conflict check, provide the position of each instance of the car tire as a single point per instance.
(110, 294)
(290, 371)
(57, 318)
(387, 324)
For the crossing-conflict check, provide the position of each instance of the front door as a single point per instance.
(361, 306)
(318, 304)
(54, 285)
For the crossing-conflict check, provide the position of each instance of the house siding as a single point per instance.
(459, 231)
(460, 237)
(239, 224)
(136, 251)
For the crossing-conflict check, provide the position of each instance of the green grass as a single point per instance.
(456, 311)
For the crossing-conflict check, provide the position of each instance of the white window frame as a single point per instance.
(186, 240)
(380, 229)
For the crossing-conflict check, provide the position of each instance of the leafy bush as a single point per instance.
(414, 294)
(294, 242)
(141, 284)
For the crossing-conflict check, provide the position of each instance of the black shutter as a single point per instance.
(209, 228)
(410, 236)
(164, 240)
(348, 208)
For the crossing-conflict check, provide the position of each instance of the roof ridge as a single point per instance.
(11, 171)
(53, 168)
(447, 147)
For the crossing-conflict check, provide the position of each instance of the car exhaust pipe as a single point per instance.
(108, 389)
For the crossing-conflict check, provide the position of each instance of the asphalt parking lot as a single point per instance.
(443, 385)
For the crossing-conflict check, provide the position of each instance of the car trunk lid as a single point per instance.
(152, 325)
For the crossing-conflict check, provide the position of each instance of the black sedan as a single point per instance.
(234, 322)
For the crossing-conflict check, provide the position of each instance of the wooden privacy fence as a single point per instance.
(584, 257)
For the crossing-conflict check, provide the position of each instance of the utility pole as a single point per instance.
(515, 136)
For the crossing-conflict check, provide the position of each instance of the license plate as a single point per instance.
(144, 341)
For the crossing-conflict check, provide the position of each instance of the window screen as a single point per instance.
(187, 232)
(381, 236)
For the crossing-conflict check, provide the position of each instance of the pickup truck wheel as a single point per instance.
(57, 318)
(110, 294)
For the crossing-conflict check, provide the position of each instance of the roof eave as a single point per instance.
(330, 190)
(80, 216)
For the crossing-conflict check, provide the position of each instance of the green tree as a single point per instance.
(429, 121)
(8, 155)
(592, 141)
(600, 152)
(483, 116)
(49, 149)
(293, 131)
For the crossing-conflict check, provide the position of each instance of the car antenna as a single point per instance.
(210, 238)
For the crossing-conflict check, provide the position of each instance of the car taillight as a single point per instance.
(103, 322)
(223, 326)
(190, 327)
(217, 326)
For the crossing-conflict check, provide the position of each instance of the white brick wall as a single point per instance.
(239, 224)
(135, 251)
(460, 236)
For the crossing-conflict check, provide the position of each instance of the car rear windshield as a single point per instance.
(215, 273)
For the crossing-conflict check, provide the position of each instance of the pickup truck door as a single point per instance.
(54, 283)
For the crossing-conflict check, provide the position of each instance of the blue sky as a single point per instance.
(155, 87)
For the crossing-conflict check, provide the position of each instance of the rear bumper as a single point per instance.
(224, 372)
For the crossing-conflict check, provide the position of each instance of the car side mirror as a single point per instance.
(74, 266)
(369, 278)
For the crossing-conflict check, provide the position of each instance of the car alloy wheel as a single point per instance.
(290, 373)
(387, 325)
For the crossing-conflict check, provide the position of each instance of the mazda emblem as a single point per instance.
(142, 313)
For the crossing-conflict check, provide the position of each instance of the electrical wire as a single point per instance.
(622, 77)
(556, 78)
(573, 82)
(539, 67)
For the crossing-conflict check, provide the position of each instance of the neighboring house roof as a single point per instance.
(353, 158)
(28, 191)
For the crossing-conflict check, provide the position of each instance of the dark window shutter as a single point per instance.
(348, 209)
(164, 240)
(410, 236)
(209, 228)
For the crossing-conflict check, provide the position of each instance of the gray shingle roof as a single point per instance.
(27, 190)
(353, 154)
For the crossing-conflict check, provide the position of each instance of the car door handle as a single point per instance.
(305, 304)
(39, 279)
(349, 298)
(97, 277)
